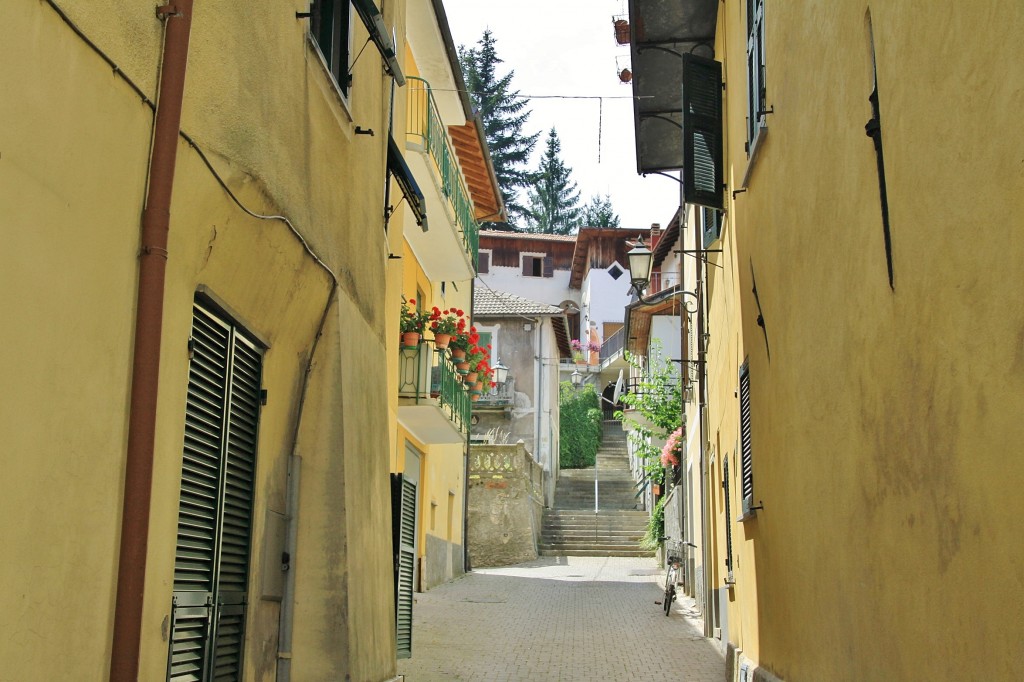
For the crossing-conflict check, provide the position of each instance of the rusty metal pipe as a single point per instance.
(138, 476)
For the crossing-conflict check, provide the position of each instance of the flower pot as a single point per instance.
(622, 32)
(441, 340)
(410, 339)
(478, 386)
(471, 377)
(458, 353)
(474, 397)
(462, 367)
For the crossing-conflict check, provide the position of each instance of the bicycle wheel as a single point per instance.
(670, 590)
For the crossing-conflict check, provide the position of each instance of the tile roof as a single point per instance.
(490, 303)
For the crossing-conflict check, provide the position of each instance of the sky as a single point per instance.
(567, 47)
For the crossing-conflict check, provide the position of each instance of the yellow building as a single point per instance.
(223, 505)
(443, 145)
(861, 326)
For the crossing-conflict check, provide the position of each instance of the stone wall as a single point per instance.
(504, 505)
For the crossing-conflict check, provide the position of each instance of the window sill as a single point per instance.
(747, 516)
(753, 155)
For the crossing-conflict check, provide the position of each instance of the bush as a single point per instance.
(655, 527)
(580, 426)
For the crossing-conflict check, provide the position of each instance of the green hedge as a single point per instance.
(580, 426)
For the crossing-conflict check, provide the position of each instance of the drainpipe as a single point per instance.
(698, 246)
(466, 564)
(284, 646)
(138, 476)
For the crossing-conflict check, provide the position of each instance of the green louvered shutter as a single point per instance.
(211, 568)
(702, 132)
(728, 517)
(403, 505)
(711, 225)
(746, 451)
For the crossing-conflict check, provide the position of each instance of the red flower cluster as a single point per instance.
(448, 321)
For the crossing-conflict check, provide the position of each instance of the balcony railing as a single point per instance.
(499, 396)
(427, 129)
(613, 344)
(428, 377)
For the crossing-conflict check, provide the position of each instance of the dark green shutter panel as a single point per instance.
(702, 132)
(211, 569)
(711, 224)
(404, 501)
(728, 517)
(746, 454)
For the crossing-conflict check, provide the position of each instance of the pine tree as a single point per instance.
(504, 114)
(554, 198)
(599, 213)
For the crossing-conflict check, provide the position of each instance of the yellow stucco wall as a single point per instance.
(72, 176)
(884, 420)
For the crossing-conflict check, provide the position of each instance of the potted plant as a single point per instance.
(474, 357)
(412, 323)
(444, 324)
(577, 350)
(672, 449)
(621, 31)
(464, 339)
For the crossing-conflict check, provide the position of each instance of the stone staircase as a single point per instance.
(571, 528)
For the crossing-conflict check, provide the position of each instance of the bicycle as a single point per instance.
(673, 561)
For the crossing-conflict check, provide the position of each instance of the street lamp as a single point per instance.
(576, 378)
(500, 373)
(640, 258)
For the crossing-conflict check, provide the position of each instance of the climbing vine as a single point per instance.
(657, 399)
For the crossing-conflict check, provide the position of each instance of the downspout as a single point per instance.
(538, 395)
(138, 477)
(698, 247)
(466, 566)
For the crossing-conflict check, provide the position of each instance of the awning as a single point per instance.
(663, 31)
(380, 36)
(399, 169)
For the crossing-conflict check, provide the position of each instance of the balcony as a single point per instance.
(445, 192)
(433, 403)
(501, 396)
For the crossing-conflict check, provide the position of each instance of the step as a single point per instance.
(595, 552)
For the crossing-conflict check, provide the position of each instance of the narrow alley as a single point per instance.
(558, 618)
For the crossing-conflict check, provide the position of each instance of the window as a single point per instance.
(746, 454)
(756, 100)
(538, 266)
(211, 566)
(484, 263)
(330, 26)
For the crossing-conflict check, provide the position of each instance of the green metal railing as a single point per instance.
(427, 129)
(425, 375)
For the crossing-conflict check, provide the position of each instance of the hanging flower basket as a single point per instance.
(442, 340)
(621, 31)
(462, 368)
(458, 353)
(471, 378)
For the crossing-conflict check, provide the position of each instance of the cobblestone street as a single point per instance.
(559, 618)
